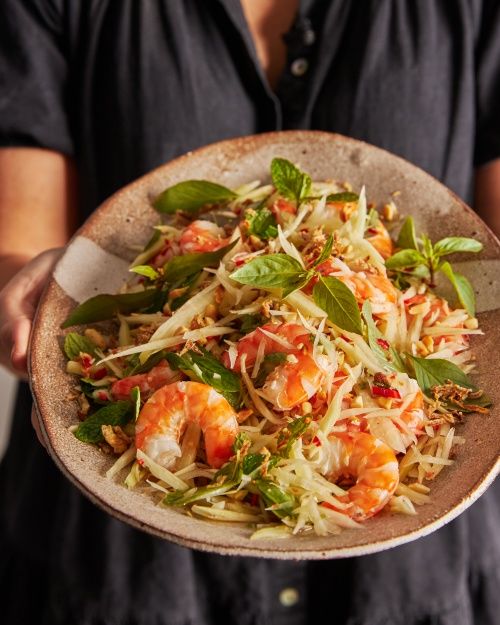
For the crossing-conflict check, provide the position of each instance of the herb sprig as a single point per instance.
(423, 259)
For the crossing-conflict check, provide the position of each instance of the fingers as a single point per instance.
(18, 301)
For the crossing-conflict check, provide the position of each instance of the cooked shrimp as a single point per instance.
(380, 239)
(147, 382)
(375, 287)
(365, 285)
(290, 337)
(165, 416)
(293, 382)
(202, 236)
(374, 466)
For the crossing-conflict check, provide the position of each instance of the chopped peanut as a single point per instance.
(389, 211)
(472, 323)
(306, 407)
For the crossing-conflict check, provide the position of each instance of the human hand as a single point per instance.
(18, 301)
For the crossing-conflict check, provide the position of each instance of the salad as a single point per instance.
(277, 360)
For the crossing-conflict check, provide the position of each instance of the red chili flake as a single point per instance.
(383, 343)
(99, 374)
(316, 441)
(239, 262)
(102, 396)
(372, 230)
(380, 391)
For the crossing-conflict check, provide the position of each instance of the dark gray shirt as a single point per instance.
(123, 86)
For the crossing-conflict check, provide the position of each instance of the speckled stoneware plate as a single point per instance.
(96, 261)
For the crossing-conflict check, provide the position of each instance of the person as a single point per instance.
(95, 93)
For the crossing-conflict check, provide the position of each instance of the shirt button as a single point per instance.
(309, 37)
(289, 597)
(299, 67)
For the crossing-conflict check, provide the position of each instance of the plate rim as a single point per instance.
(483, 482)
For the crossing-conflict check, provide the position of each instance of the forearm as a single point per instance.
(487, 194)
(37, 205)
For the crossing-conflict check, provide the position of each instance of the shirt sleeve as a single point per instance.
(33, 76)
(487, 145)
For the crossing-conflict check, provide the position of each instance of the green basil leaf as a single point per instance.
(187, 284)
(325, 252)
(345, 196)
(145, 270)
(135, 367)
(282, 502)
(405, 258)
(118, 413)
(289, 181)
(191, 195)
(339, 303)
(105, 306)
(450, 245)
(182, 267)
(407, 237)
(207, 369)
(271, 271)
(430, 372)
(428, 247)
(75, 343)
(463, 288)
(262, 223)
(389, 357)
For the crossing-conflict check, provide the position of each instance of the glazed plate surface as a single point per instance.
(96, 261)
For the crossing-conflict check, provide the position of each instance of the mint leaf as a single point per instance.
(207, 369)
(191, 195)
(74, 344)
(179, 268)
(405, 258)
(345, 196)
(105, 306)
(145, 270)
(289, 181)
(339, 303)
(118, 413)
(325, 252)
(450, 245)
(271, 271)
(407, 237)
(463, 288)
(262, 223)
(389, 357)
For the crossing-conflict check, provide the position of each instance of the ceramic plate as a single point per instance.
(96, 261)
